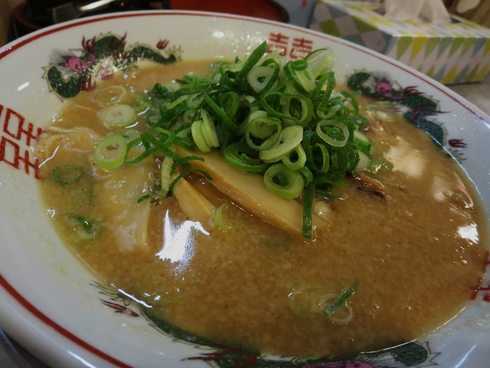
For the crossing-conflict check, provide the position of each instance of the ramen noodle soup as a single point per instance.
(404, 245)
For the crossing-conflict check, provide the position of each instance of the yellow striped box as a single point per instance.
(457, 52)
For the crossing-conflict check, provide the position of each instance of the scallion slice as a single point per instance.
(263, 77)
(194, 101)
(363, 144)
(299, 77)
(85, 228)
(321, 158)
(284, 182)
(176, 102)
(65, 175)
(153, 141)
(110, 152)
(293, 109)
(117, 115)
(221, 113)
(218, 218)
(346, 294)
(198, 136)
(333, 132)
(165, 173)
(296, 159)
(308, 210)
(208, 129)
(251, 61)
(267, 130)
(290, 137)
(320, 61)
(236, 155)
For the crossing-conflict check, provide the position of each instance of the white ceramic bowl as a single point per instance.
(52, 304)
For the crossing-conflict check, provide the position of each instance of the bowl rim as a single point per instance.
(27, 39)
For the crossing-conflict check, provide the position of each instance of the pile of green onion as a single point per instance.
(266, 115)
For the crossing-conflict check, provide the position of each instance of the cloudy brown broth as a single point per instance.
(413, 238)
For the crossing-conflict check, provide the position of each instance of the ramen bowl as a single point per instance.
(53, 304)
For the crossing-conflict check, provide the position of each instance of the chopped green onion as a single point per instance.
(321, 158)
(308, 211)
(298, 109)
(118, 115)
(221, 113)
(299, 77)
(256, 113)
(295, 159)
(144, 197)
(183, 161)
(68, 174)
(307, 175)
(194, 101)
(290, 137)
(251, 61)
(284, 182)
(245, 113)
(192, 90)
(153, 141)
(85, 228)
(76, 178)
(141, 104)
(272, 242)
(346, 294)
(198, 136)
(218, 218)
(262, 78)
(176, 102)
(165, 172)
(189, 116)
(208, 129)
(309, 299)
(110, 152)
(111, 95)
(363, 144)
(268, 130)
(320, 62)
(295, 109)
(323, 92)
(334, 133)
(236, 156)
(325, 183)
(343, 159)
(330, 113)
(230, 101)
(185, 173)
(364, 161)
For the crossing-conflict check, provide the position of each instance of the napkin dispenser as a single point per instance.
(451, 53)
